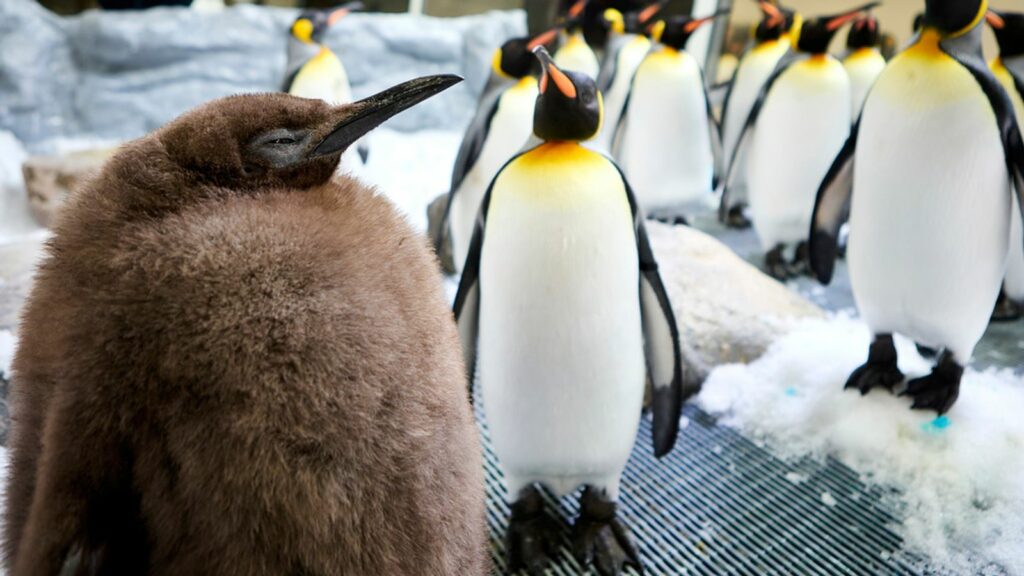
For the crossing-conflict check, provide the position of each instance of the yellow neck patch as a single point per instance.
(927, 46)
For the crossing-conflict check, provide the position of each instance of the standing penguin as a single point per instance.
(574, 53)
(499, 130)
(667, 142)
(929, 203)
(795, 128)
(771, 42)
(233, 364)
(864, 62)
(627, 48)
(1008, 68)
(314, 71)
(561, 272)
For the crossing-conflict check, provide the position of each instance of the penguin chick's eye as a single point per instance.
(283, 141)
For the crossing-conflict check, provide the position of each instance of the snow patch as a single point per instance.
(958, 479)
(6, 352)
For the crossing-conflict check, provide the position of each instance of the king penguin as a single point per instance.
(772, 40)
(575, 54)
(667, 142)
(925, 178)
(499, 130)
(1008, 68)
(314, 71)
(235, 362)
(627, 47)
(864, 61)
(794, 130)
(561, 272)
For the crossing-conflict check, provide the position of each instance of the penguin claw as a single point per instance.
(939, 390)
(871, 376)
(532, 535)
(600, 541)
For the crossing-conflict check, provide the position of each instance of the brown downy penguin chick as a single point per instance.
(231, 364)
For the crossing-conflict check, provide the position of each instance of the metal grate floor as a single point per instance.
(719, 504)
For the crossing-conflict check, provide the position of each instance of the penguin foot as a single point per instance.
(880, 371)
(938, 390)
(532, 536)
(680, 221)
(801, 264)
(1006, 310)
(775, 264)
(737, 219)
(599, 539)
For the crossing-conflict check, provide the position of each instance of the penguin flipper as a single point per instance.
(746, 133)
(715, 132)
(966, 50)
(467, 301)
(661, 340)
(831, 209)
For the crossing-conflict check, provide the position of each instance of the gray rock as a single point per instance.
(49, 179)
(116, 76)
(727, 310)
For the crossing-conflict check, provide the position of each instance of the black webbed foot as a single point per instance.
(599, 539)
(801, 263)
(532, 535)
(1006, 310)
(880, 371)
(938, 390)
(775, 264)
(737, 219)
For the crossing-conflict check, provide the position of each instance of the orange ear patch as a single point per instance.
(565, 86)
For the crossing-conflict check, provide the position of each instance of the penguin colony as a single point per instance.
(317, 382)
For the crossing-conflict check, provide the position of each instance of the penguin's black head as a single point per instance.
(311, 25)
(863, 33)
(258, 141)
(1009, 29)
(675, 32)
(569, 106)
(954, 17)
(816, 34)
(773, 21)
(515, 57)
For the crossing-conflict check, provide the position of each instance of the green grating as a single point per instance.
(719, 504)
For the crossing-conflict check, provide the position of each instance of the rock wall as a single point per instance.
(118, 75)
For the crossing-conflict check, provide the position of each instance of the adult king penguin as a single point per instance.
(561, 272)
(499, 130)
(667, 142)
(575, 54)
(772, 40)
(314, 71)
(627, 47)
(802, 118)
(235, 363)
(929, 202)
(1009, 70)
(864, 61)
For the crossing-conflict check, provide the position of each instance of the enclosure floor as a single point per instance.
(719, 504)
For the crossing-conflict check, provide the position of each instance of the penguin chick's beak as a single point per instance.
(995, 20)
(837, 22)
(373, 111)
(343, 11)
(551, 74)
(775, 16)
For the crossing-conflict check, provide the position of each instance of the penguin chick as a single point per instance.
(231, 364)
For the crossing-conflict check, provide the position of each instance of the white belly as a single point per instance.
(666, 147)
(577, 56)
(629, 58)
(863, 67)
(803, 125)
(753, 72)
(509, 130)
(929, 218)
(560, 349)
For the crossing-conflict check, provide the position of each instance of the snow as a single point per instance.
(6, 351)
(958, 479)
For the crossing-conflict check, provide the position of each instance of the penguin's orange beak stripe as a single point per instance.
(542, 39)
(649, 12)
(577, 8)
(775, 16)
(839, 21)
(337, 15)
(562, 82)
(694, 24)
(995, 20)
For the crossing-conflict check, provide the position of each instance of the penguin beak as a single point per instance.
(837, 22)
(576, 9)
(544, 38)
(694, 24)
(364, 115)
(995, 20)
(338, 13)
(773, 13)
(551, 74)
(650, 12)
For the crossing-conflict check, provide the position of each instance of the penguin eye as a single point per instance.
(283, 141)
